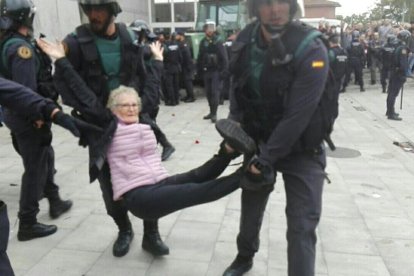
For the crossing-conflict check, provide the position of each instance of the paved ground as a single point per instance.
(367, 226)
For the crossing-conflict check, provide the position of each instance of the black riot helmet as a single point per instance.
(21, 12)
(140, 25)
(253, 6)
(112, 4)
(355, 35)
(404, 36)
(143, 30)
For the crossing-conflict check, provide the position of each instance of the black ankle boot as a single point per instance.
(121, 245)
(239, 266)
(167, 150)
(57, 207)
(33, 231)
(154, 245)
(151, 241)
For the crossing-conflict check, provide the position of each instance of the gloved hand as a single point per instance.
(264, 181)
(67, 122)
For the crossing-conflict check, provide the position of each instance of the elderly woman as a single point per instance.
(138, 177)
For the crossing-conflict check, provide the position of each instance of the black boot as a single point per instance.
(239, 266)
(121, 245)
(125, 236)
(151, 241)
(57, 207)
(33, 231)
(394, 117)
(207, 117)
(167, 147)
(236, 137)
(167, 150)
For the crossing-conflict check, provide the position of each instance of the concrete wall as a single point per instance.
(57, 18)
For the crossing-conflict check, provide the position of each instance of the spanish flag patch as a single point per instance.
(318, 64)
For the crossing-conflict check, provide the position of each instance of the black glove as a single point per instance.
(259, 182)
(67, 122)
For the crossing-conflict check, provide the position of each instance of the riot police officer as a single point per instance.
(398, 71)
(144, 38)
(357, 61)
(106, 55)
(187, 67)
(374, 50)
(279, 71)
(211, 63)
(22, 100)
(386, 60)
(172, 70)
(23, 63)
(338, 64)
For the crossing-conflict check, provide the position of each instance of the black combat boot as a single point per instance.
(362, 89)
(167, 147)
(208, 116)
(167, 150)
(57, 207)
(35, 230)
(239, 266)
(394, 117)
(124, 239)
(236, 137)
(151, 241)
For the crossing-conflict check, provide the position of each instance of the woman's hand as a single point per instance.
(157, 50)
(54, 50)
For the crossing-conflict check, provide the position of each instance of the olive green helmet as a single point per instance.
(113, 4)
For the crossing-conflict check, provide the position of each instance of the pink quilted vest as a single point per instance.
(133, 158)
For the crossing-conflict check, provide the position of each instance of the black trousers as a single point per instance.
(34, 147)
(303, 175)
(212, 87)
(394, 87)
(172, 86)
(183, 190)
(384, 76)
(5, 266)
(356, 67)
(187, 79)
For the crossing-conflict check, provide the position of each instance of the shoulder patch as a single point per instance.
(24, 52)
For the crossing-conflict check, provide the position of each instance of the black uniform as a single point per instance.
(172, 71)
(386, 61)
(274, 105)
(338, 65)
(83, 55)
(212, 62)
(29, 104)
(357, 60)
(398, 77)
(21, 64)
(187, 73)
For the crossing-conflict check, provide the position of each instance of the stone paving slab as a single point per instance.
(367, 227)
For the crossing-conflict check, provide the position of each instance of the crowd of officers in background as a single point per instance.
(383, 48)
